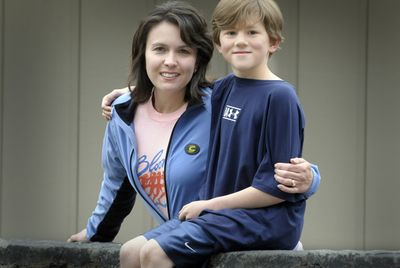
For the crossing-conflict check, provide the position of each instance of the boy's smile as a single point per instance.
(241, 52)
(247, 49)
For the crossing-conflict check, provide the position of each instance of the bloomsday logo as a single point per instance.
(192, 149)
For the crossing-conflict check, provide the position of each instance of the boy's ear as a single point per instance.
(218, 47)
(274, 46)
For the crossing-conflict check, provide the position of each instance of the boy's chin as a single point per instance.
(242, 70)
(243, 67)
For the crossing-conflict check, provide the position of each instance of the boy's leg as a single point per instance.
(129, 254)
(187, 245)
(153, 256)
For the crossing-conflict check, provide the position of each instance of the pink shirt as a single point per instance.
(153, 131)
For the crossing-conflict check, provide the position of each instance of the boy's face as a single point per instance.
(247, 49)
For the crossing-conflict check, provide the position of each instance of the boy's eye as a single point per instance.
(229, 33)
(252, 32)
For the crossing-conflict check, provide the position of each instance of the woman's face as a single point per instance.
(170, 63)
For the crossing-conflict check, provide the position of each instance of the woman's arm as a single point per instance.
(78, 237)
(116, 197)
(298, 176)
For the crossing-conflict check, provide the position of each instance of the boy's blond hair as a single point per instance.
(230, 13)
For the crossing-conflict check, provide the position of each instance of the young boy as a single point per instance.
(257, 121)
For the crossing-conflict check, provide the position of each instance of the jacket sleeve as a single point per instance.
(116, 197)
(315, 183)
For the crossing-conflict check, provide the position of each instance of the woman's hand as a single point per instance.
(108, 100)
(79, 237)
(294, 177)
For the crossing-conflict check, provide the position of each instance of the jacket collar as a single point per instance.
(126, 110)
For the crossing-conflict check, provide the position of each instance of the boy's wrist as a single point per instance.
(216, 203)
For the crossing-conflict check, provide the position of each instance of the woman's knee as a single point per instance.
(129, 253)
(152, 255)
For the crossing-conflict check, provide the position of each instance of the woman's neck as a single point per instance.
(167, 102)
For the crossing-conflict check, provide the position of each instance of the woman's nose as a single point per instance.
(170, 59)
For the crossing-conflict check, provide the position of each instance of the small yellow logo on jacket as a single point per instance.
(192, 149)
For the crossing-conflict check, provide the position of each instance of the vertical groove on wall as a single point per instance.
(3, 14)
(367, 23)
(78, 106)
(298, 46)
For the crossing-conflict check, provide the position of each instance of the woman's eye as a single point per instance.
(159, 49)
(185, 51)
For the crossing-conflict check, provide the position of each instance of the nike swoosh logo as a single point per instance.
(189, 247)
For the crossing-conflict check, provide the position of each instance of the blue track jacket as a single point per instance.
(185, 166)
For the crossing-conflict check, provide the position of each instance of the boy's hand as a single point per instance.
(193, 209)
(294, 177)
(108, 100)
(79, 237)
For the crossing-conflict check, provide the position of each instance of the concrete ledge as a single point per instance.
(308, 258)
(54, 254)
(57, 254)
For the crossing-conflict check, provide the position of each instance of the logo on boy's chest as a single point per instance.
(231, 113)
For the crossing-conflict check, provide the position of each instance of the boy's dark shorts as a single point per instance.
(184, 242)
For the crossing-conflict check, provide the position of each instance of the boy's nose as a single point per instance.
(240, 40)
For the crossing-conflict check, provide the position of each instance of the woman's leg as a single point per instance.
(153, 256)
(129, 254)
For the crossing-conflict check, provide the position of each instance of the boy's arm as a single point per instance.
(249, 197)
(108, 100)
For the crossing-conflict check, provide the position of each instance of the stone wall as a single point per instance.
(57, 254)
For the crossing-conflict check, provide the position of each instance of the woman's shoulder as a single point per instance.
(122, 99)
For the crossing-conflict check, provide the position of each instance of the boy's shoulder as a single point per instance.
(222, 81)
(279, 89)
(220, 86)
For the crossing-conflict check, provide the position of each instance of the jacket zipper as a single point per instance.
(167, 154)
(165, 169)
